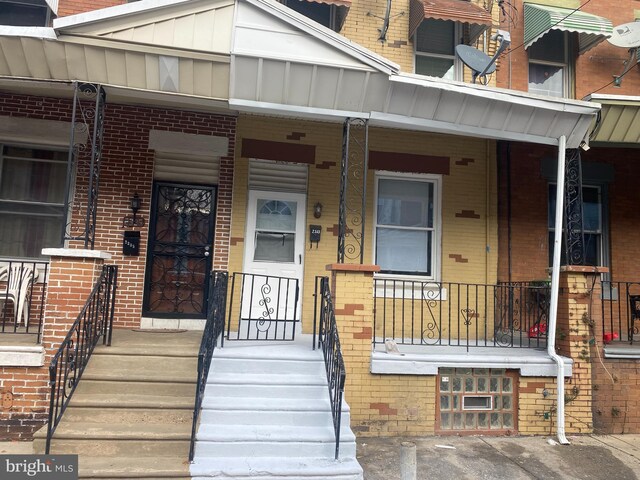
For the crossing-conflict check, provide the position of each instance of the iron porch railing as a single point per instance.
(266, 307)
(461, 314)
(328, 340)
(214, 328)
(95, 321)
(620, 311)
(23, 286)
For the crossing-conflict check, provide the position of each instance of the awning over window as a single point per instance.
(541, 19)
(339, 3)
(462, 11)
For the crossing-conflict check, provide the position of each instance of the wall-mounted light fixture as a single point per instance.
(317, 210)
(135, 202)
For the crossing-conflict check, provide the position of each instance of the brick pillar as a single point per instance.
(24, 390)
(381, 404)
(578, 325)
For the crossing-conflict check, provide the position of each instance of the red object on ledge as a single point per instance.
(539, 329)
(609, 336)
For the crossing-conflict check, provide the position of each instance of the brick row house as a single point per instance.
(356, 179)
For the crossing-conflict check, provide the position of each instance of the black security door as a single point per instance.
(180, 250)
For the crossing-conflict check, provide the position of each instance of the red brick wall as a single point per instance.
(594, 69)
(71, 7)
(529, 216)
(127, 169)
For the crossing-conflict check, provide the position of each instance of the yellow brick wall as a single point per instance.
(469, 245)
(364, 21)
(381, 405)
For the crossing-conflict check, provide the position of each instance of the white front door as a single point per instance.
(274, 259)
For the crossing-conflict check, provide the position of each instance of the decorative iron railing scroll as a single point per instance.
(85, 161)
(353, 190)
(573, 219)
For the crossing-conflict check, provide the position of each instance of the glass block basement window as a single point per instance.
(476, 400)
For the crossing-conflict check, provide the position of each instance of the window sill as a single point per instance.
(408, 287)
(21, 356)
(622, 351)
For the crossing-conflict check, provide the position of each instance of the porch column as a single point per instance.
(578, 328)
(72, 275)
(380, 404)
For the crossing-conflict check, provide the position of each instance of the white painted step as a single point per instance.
(276, 468)
(270, 391)
(281, 366)
(316, 448)
(283, 433)
(272, 417)
(258, 404)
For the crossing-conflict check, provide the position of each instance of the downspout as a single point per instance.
(555, 288)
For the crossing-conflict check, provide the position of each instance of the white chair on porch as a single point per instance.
(18, 279)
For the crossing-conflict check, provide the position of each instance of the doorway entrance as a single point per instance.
(179, 255)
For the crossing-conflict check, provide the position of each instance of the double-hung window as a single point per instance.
(406, 227)
(435, 43)
(32, 192)
(549, 65)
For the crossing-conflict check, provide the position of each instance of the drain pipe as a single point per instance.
(555, 288)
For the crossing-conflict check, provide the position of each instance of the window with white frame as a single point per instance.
(549, 67)
(592, 225)
(32, 190)
(435, 43)
(406, 223)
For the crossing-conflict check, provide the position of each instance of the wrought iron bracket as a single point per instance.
(353, 190)
(573, 209)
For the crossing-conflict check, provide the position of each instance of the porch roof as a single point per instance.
(264, 57)
(619, 121)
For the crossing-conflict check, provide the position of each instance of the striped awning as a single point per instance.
(619, 121)
(541, 19)
(462, 11)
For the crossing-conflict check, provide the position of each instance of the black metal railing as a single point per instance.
(620, 311)
(461, 314)
(214, 328)
(23, 286)
(324, 323)
(267, 308)
(94, 322)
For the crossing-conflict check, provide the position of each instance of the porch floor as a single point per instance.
(426, 359)
(18, 339)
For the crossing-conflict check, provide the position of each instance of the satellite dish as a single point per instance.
(626, 35)
(479, 62)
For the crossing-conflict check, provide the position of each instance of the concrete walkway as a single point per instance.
(589, 457)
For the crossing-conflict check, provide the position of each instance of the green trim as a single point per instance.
(541, 19)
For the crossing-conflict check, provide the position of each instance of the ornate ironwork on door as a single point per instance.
(85, 160)
(573, 219)
(180, 247)
(353, 190)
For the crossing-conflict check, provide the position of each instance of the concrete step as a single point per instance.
(283, 433)
(259, 404)
(128, 415)
(133, 467)
(311, 448)
(278, 366)
(113, 440)
(269, 391)
(92, 383)
(143, 368)
(276, 468)
(270, 417)
(102, 400)
(261, 379)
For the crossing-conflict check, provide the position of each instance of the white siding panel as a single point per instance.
(97, 64)
(269, 175)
